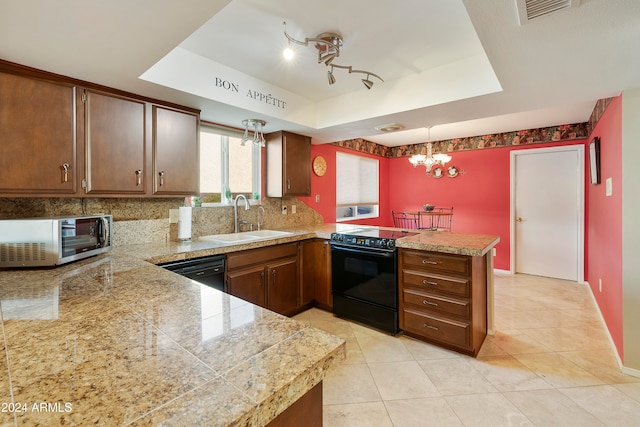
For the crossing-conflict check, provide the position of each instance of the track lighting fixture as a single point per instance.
(328, 45)
(258, 132)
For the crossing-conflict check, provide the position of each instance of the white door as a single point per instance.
(547, 204)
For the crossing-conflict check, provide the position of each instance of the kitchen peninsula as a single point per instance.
(116, 340)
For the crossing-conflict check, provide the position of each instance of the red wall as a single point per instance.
(325, 187)
(604, 226)
(480, 195)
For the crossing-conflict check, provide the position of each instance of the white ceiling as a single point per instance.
(464, 67)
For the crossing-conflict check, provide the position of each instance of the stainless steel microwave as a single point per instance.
(39, 242)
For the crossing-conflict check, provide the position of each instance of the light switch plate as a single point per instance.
(293, 209)
(608, 186)
(284, 210)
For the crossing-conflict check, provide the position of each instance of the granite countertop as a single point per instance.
(114, 340)
(117, 340)
(454, 243)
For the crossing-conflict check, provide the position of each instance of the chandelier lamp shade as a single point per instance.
(328, 45)
(258, 132)
(429, 160)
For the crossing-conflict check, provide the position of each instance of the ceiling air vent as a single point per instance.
(530, 9)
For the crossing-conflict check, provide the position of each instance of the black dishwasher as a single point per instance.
(207, 270)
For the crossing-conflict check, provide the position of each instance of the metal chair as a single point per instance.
(405, 219)
(439, 219)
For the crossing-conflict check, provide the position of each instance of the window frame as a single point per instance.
(256, 166)
(356, 207)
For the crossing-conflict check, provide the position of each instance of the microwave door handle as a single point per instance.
(104, 238)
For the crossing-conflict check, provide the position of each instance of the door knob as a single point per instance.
(519, 219)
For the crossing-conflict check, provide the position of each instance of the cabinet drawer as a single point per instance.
(260, 255)
(437, 283)
(441, 262)
(438, 328)
(436, 303)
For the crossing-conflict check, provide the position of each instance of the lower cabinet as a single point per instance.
(316, 273)
(267, 277)
(443, 299)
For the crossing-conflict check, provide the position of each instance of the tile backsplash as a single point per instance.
(147, 220)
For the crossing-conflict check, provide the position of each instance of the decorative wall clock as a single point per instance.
(319, 166)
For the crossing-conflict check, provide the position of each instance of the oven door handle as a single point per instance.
(367, 251)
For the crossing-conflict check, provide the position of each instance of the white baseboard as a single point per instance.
(502, 272)
(623, 369)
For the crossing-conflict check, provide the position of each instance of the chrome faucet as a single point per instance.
(235, 209)
(260, 208)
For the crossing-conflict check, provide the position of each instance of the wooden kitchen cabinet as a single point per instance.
(37, 136)
(282, 287)
(288, 164)
(316, 273)
(443, 299)
(115, 144)
(175, 152)
(248, 284)
(58, 135)
(266, 276)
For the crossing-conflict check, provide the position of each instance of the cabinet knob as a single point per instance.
(161, 173)
(426, 261)
(427, 282)
(138, 177)
(424, 301)
(288, 184)
(262, 279)
(426, 325)
(519, 219)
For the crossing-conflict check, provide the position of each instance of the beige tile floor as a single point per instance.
(549, 364)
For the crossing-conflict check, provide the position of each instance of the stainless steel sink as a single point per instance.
(246, 236)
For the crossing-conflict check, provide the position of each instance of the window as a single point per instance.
(356, 187)
(227, 168)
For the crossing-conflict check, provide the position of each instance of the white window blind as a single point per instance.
(356, 180)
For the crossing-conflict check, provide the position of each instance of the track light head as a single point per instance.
(330, 77)
(367, 83)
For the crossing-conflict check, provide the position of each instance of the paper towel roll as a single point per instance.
(184, 223)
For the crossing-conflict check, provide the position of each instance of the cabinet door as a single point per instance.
(115, 141)
(175, 152)
(288, 164)
(282, 290)
(308, 271)
(323, 275)
(37, 136)
(297, 165)
(248, 284)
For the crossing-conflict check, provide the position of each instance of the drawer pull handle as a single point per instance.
(424, 301)
(430, 327)
(427, 282)
(426, 261)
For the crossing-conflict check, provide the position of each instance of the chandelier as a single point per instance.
(328, 45)
(429, 160)
(258, 132)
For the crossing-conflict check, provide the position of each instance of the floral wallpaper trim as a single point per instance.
(559, 133)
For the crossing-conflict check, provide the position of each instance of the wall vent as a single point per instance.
(531, 9)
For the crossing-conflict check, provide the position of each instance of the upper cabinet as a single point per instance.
(115, 144)
(37, 136)
(62, 137)
(288, 164)
(175, 152)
